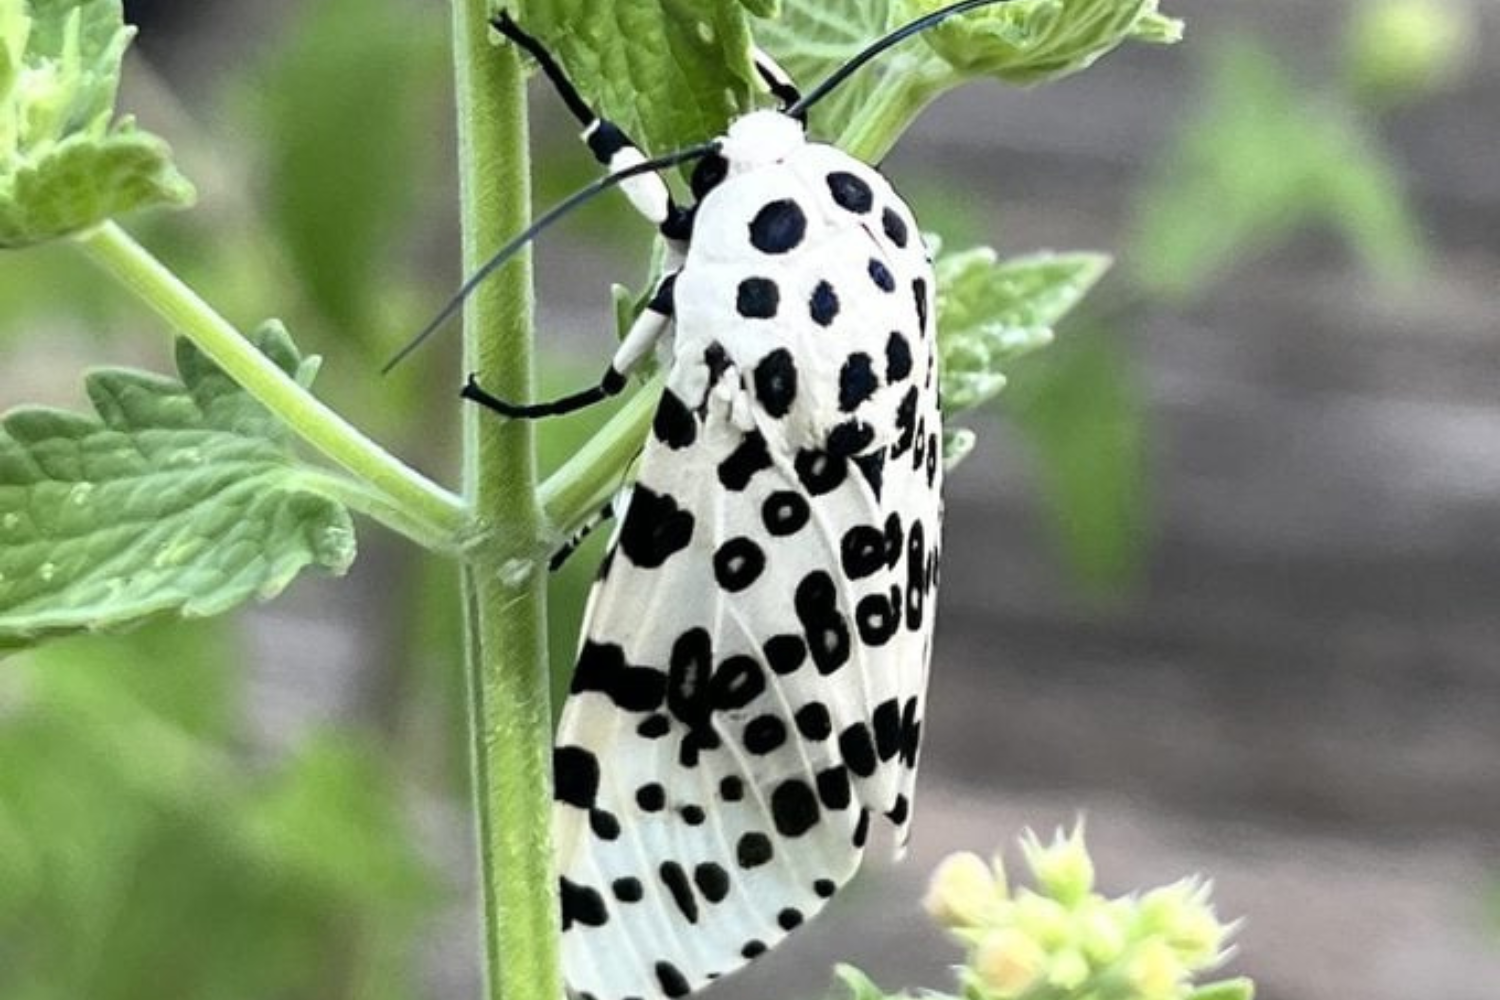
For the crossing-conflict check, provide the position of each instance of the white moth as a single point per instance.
(749, 688)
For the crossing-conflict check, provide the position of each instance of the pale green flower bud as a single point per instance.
(1063, 868)
(961, 892)
(1398, 50)
(1155, 972)
(1008, 963)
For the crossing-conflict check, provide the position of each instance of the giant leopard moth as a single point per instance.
(749, 686)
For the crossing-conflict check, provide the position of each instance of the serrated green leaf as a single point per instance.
(990, 313)
(669, 73)
(82, 181)
(180, 496)
(63, 166)
(1028, 41)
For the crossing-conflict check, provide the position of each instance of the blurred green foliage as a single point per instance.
(142, 854)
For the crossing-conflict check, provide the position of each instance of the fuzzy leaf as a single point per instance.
(990, 313)
(669, 73)
(1028, 41)
(64, 166)
(812, 38)
(179, 496)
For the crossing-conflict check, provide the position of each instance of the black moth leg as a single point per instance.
(561, 556)
(609, 385)
(637, 345)
(776, 79)
(648, 193)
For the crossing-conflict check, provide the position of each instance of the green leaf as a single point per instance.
(812, 38)
(668, 72)
(1081, 411)
(64, 166)
(990, 313)
(180, 496)
(1028, 41)
(1260, 162)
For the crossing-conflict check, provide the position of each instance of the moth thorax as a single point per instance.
(761, 138)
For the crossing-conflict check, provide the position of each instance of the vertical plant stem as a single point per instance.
(504, 589)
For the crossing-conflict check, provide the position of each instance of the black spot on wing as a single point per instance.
(878, 618)
(651, 797)
(602, 667)
(738, 563)
(676, 881)
(758, 298)
(628, 890)
(897, 357)
(881, 275)
(785, 513)
(576, 776)
(814, 722)
(674, 424)
(785, 653)
(850, 192)
(819, 472)
(753, 850)
(778, 227)
(765, 734)
(776, 382)
(655, 529)
(794, 808)
(823, 304)
(894, 226)
(581, 905)
(850, 438)
(858, 749)
(833, 788)
(748, 458)
(673, 983)
(886, 721)
(862, 551)
(824, 628)
(712, 881)
(857, 381)
(738, 681)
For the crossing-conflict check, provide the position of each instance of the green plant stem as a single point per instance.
(505, 586)
(429, 514)
(891, 109)
(594, 473)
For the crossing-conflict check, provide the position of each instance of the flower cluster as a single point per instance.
(1062, 940)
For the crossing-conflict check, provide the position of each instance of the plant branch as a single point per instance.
(420, 501)
(505, 586)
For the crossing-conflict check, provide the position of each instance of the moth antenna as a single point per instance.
(921, 24)
(544, 222)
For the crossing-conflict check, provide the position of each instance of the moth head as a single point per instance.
(760, 139)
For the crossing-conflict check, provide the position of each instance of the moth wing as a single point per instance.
(731, 727)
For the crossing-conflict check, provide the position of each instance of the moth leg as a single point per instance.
(636, 347)
(566, 550)
(778, 81)
(610, 145)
